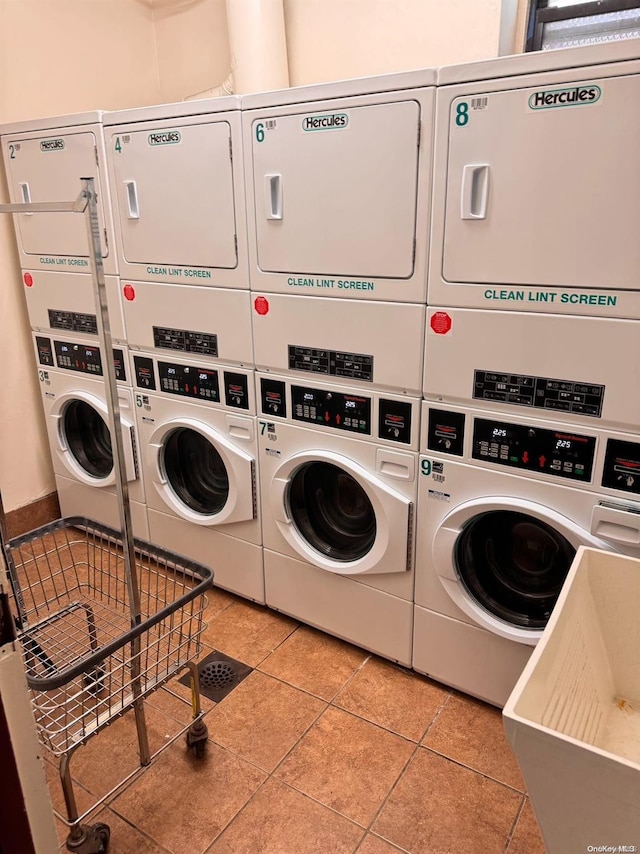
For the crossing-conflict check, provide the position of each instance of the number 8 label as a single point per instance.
(462, 114)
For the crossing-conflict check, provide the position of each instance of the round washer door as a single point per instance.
(504, 561)
(83, 439)
(200, 475)
(338, 517)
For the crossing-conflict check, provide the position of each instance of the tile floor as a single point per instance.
(322, 748)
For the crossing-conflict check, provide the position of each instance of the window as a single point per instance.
(567, 23)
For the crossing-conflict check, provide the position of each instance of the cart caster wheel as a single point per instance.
(197, 735)
(89, 839)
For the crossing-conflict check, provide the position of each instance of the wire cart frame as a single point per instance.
(103, 619)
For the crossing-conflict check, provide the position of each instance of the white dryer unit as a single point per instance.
(76, 416)
(62, 303)
(45, 160)
(537, 183)
(338, 471)
(198, 447)
(178, 192)
(338, 195)
(503, 506)
(580, 370)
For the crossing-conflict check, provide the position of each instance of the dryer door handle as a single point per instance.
(616, 524)
(273, 196)
(475, 191)
(278, 499)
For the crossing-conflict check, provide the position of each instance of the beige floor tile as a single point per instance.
(262, 719)
(183, 803)
(247, 632)
(279, 820)
(217, 601)
(347, 764)
(471, 732)
(393, 698)
(375, 845)
(315, 662)
(106, 759)
(526, 838)
(439, 806)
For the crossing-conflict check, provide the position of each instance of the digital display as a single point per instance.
(188, 381)
(554, 452)
(332, 409)
(86, 359)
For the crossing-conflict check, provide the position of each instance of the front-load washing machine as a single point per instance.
(338, 210)
(503, 505)
(45, 160)
(197, 430)
(537, 183)
(177, 185)
(76, 415)
(338, 472)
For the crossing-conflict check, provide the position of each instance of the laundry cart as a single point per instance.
(102, 619)
(573, 718)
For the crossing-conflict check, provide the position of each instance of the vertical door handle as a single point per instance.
(475, 191)
(26, 194)
(133, 211)
(273, 196)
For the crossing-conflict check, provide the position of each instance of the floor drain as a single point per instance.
(219, 675)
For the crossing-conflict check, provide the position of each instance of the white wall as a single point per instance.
(56, 56)
(337, 39)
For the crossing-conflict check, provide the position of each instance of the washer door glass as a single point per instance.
(332, 511)
(87, 438)
(196, 471)
(514, 565)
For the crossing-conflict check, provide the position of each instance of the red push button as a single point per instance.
(28, 280)
(261, 305)
(440, 322)
(129, 292)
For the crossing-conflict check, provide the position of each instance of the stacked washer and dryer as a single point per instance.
(177, 184)
(45, 161)
(338, 191)
(532, 360)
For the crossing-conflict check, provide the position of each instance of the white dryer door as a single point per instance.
(83, 440)
(200, 474)
(504, 560)
(338, 517)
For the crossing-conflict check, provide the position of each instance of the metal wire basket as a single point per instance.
(87, 660)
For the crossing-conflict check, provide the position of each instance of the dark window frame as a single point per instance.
(540, 14)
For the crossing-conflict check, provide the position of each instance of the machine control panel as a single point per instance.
(189, 381)
(446, 432)
(273, 397)
(355, 366)
(539, 392)
(350, 412)
(236, 390)
(145, 376)
(622, 466)
(45, 351)
(204, 343)
(561, 453)
(73, 321)
(86, 359)
(394, 420)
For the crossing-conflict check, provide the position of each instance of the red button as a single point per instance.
(261, 305)
(440, 322)
(129, 292)
(28, 280)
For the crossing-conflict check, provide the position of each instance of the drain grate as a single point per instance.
(219, 675)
